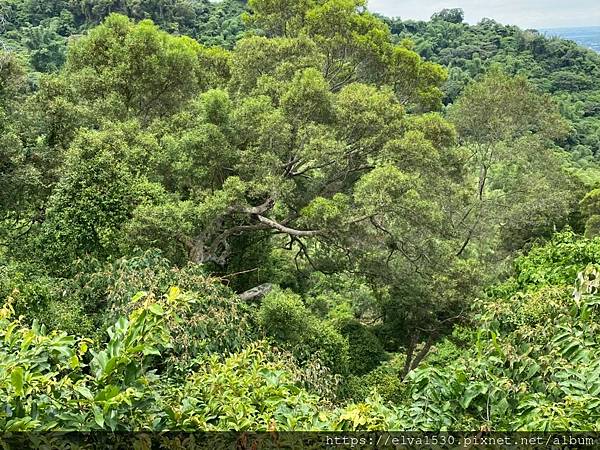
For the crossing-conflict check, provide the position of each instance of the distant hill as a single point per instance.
(566, 69)
(586, 36)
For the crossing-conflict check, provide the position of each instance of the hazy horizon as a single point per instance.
(542, 14)
(583, 27)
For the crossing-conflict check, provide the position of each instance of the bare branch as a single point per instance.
(256, 293)
(260, 209)
(287, 230)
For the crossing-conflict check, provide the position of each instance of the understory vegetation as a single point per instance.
(288, 215)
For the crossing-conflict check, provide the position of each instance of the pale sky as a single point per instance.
(524, 13)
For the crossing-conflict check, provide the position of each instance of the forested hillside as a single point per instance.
(294, 216)
(43, 28)
(562, 68)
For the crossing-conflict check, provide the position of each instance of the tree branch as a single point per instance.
(260, 209)
(287, 230)
(256, 293)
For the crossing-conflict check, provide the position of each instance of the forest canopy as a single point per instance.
(294, 216)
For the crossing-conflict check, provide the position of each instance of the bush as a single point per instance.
(212, 318)
(451, 348)
(385, 380)
(285, 319)
(50, 381)
(366, 352)
(555, 263)
(531, 308)
(246, 391)
(325, 342)
(68, 315)
(42, 297)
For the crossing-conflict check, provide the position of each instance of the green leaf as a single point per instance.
(73, 362)
(151, 351)
(471, 393)
(16, 378)
(500, 407)
(85, 392)
(99, 417)
(157, 309)
(111, 364)
(137, 297)
(107, 393)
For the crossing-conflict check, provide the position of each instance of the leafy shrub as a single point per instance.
(452, 347)
(45, 383)
(288, 322)
(246, 391)
(212, 319)
(67, 314)
(53, 381)
(366, 352)
(204, 324)
(556, 263)
(532, 308)
(385, 381)
(30, 291)
(283, 316)
(35, 295)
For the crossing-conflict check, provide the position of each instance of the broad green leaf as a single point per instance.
(16, 378)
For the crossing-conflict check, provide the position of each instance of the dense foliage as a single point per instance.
(42, 29)
(293, 219)
(531, 365)
(569, 72)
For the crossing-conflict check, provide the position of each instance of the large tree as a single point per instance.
(320, 138)
(521, 188)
